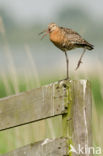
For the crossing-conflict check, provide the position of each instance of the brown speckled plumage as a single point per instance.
(67, 39)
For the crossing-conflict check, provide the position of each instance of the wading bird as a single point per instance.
(66, 39)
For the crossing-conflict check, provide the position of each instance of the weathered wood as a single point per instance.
(48, 147)
(31, 106)
(77, 122)
(82, 115)
(72, 99)
(66, 118)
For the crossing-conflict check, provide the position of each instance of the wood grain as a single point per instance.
(77, 123)
(31, 106)
(82, 115)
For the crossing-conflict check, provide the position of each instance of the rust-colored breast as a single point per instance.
(60, 40)
(56, 37)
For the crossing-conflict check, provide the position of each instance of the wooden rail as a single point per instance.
(70, 99)
(31, 106)
(48, 147)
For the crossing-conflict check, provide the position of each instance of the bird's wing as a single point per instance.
(73, 36)
(69, 31)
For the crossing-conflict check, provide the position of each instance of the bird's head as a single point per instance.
(51, 27)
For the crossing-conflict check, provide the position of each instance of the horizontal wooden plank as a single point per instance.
(31, 106)
(48, 147)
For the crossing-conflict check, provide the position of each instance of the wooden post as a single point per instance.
(77, 122)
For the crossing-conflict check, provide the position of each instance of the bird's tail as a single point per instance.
(85, 45)
(89, 46)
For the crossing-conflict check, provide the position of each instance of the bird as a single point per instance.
(66, 39)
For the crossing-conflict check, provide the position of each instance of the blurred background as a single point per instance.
(27, 62)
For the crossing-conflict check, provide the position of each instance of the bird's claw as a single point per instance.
(78, 65)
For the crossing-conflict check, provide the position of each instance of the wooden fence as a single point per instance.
(70, 99)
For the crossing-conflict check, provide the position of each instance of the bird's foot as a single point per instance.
(67, 78)
(63, 82)
(78, 65)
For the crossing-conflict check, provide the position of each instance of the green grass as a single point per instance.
(97, 94)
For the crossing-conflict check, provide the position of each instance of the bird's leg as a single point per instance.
(67, 64)
(80, 60)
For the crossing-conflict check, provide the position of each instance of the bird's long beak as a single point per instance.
(45, 33)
